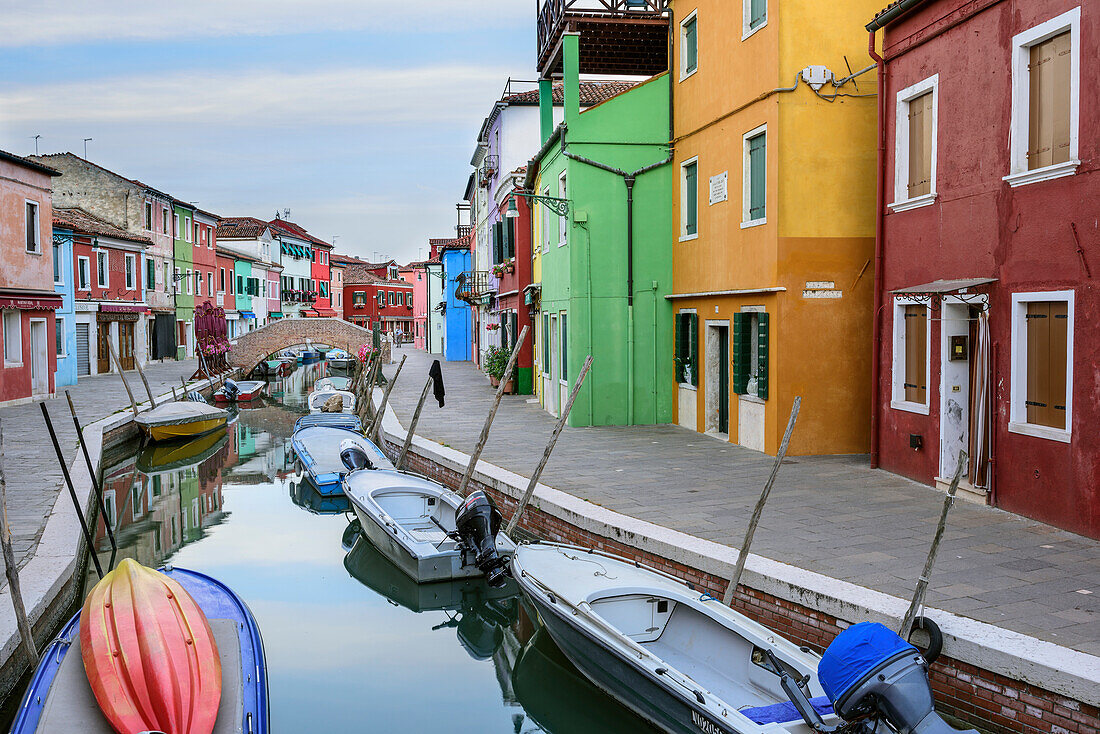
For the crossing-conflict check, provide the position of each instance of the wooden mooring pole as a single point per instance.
(11, 570)
(91, 471)
(376, 424)
(492, 413)
(926, 574)
(412, 424)
(549, 448)
(743, 554)
(118, 366)
(148, 390)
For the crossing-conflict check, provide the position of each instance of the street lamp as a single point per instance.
(554, 204)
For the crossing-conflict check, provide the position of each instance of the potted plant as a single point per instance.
(496, 361)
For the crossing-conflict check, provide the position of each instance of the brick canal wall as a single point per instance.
(979, 697)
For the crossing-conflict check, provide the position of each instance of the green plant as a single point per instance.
(496, 361)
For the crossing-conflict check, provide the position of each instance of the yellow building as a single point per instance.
(773, 220)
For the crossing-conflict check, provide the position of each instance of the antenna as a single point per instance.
(286, 214)
(36, 137)
(86, 147)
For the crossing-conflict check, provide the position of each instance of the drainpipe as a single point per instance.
(629, 180)
(880, 226)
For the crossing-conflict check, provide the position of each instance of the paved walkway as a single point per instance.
(832, 515)
(31, 471)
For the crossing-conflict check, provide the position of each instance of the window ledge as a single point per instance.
(747, 32)
(34, 252)
(1042, 174)
(751, 398)
(687, 386)
(8, 365)
(754, 223)
(1030, 429)
(689, 74)
(909, 407)
(689, 237)
(915, 203)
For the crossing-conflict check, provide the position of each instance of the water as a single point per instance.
(352, 644)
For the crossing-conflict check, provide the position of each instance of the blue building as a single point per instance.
(64, 285)
(458, 336)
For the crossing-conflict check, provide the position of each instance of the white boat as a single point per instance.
(332, 383)
(317, 398)
(415, 523)
(340, 358)
(688, 663)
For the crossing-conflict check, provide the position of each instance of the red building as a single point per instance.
(204, 255)
(226, 298)
(371, 301)
(988, 243)
(514, 302)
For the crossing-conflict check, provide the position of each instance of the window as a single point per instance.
(1046, 91)
(149, 216)
(689, 47)
(176, 226)
(359, 298)
(687, 348)
(240, 284)
(750, 352)
(1042, 364)
(754, 189)
(150, 273)
(198, 283)
(911, 364)
(563, 220)
(164, 219)
(545, 219)
(755, 14)
(131, 272)
(33, 243)
(103, 276)
(176, 280)
(381, 298)
(13, 338)
(202, 235)
(58, 273)
(190, 281)
(546, 344)
(915, 135)
(221, 279)
(59, 334)
(563, 368)
(231, 291)
(209, 284)
(187, 228)
(689, 198)
(82, 279)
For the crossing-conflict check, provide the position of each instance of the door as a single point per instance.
(723, 379)
(104, 335)
(40, 358)
(83, 361)
(955, 378)
(126, 344)
(552, 392)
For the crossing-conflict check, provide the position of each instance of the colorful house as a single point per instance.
(295, 253)
(416, 275)
(242, 273)
(336, 279)
(605, 264)
(204, 256)
(321, 279)
(227, 284)
(65, 315)
(186, 280)
(457, 319)
(773, 223)
(254, 238)
(985, 331)
(27, 280)
(372, 302)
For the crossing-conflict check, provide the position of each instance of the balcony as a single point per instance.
(473, 285)
(463, 230)
(296, 296)
(489, 168)
(617, 36)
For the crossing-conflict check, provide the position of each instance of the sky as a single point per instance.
(359, 116)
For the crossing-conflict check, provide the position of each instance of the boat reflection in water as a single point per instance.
(304, 494)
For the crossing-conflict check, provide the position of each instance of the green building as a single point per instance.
(185, 278)
(606, 265)
(242, 271)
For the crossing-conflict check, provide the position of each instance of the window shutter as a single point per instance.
(546, 343)
(757, 177)
(691, 198)
(742, 352)
(1047, 343)
(691, 46)
(916, 354)
(758, 13)
(920, 145)
(762, 341)
(1049, 103)
(510, 245)
(693, 348)
(498, 245)
(681, 348)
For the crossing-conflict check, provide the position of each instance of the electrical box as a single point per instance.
(960, 350)
(580, 217)
(817, 76)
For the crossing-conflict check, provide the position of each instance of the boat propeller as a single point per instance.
(353, 456)
(478, 522)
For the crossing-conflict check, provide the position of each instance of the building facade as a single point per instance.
(457, 319)
(183, 216)
(988, 205)
(65, 315)
(204, 256)
(295, 253)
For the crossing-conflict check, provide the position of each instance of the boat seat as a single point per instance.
(719, 682)
(71, 705)
(780, 713)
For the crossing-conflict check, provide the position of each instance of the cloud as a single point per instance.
(264, 98)
(81, 21)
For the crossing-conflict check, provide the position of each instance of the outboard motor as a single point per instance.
(231, 389)
(869, 670)
(477, 522)
(353, 456)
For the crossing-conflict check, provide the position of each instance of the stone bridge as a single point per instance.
(252, 348)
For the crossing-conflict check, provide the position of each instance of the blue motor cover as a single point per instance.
(856, 652)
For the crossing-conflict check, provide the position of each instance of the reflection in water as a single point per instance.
(348, 649)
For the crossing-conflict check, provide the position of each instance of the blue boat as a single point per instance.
(60, 699)
(318, 450)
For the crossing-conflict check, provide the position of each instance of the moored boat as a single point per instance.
(183, 419)
(174, 651)
(335, 382)
(340, 359)
(318, 451)
(317, 398)
(239, 392)
(332, 420)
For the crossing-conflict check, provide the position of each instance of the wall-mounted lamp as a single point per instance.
(554, 204)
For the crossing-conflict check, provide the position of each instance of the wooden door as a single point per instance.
(126, 344)
(103, 335)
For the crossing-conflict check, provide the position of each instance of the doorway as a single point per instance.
(103, 334)
(83, 352)
(126, 344)
(552, 390)
(717, 372)
(958, 351)
(40, 358)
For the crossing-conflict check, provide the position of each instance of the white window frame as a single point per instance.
(1019, 129)
(902, 202)
(87, 279)
(563, 220)
(684, 73)
(64, 350)
(1017, 417)
(130, 260)
(37, 226)
(187, 228)
(684, 237)
(59, 278)
(209, 285)
(746, 19)
(148, 211)
(544, 218)
(897, 376)
(103, 274)
(165, 219)
(746, 178)
(190, 280)
(18, 345)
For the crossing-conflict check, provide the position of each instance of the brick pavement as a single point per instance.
(832, 515)
(31, 471)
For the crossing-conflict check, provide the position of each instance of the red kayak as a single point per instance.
(150, 654)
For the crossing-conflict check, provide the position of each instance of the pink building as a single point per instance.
(274, 305)
(27, 298)
(416, 274)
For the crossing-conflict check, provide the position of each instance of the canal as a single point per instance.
(352, 643)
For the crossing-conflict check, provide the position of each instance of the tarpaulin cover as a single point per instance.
(855, 652)
(778, 713)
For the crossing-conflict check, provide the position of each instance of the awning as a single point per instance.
(328, 312)
(944, 287)
(275, 314)
(24, 303)
(248, 315)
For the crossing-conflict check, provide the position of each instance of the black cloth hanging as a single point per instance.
(436, 373)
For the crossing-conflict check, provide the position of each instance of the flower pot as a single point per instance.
(493, 381)
(509, 387)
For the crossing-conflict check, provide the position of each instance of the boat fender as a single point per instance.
(935, 638)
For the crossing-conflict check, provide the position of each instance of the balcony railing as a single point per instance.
(617, 36)
(473, 284)
(463, 229)
(296, 296)
(489, 168)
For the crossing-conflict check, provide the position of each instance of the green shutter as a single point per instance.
(758, 13)
(693, 346)
(691, 198)
(691, 46)
(681, 347)
(546, 343)
(757, 176)
(498, 243)
(762, 356)
(742, 351)
(510, 245)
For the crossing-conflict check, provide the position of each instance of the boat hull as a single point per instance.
(624, 682)
(184, 430)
